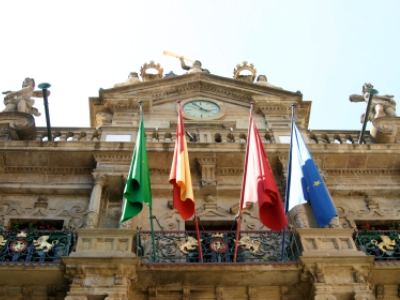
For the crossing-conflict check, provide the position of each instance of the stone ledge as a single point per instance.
(105, 243)
(328, 242)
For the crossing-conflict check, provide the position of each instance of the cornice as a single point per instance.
(47, 170)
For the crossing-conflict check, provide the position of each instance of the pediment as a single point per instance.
(192, 86)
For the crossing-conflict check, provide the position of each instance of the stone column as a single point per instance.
(92, 217)
(128, 224)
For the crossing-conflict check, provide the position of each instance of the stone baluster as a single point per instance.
(92, 217)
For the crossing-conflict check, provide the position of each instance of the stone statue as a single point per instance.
(132, 79)
(262, 80)
(195, 68)
(381, 106)
(21, 100)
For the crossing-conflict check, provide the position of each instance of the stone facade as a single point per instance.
(77, 181)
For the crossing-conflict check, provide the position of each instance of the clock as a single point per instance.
(201, 109)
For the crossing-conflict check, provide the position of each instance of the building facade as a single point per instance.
(61, 200)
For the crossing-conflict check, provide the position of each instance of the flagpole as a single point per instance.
(196, 218)
(196, 222)
(152, 233)
(288, 181)
(239, 215)
(150, 206)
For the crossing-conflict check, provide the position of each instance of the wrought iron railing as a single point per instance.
(38, 247)
(383, 244)
(217, 247)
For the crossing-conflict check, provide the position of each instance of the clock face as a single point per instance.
(201, 109)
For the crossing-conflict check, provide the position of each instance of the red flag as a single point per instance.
(259, 183)
(180, 173)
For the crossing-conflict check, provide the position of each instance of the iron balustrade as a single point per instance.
(37, 247)
(383, 244)
(258, 247)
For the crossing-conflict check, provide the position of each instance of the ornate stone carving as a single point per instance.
(364, 296)
(27, 292)
(384, 130)
(371, 204)
(51, 292)
(335, 223)
(380, 291)
(318, 274)
(284, 289)
(133, 78)
(300, 216)
(148, 76)
(305, 275)
(152, 292)
(247, 78)
(324, 297)
(21, 100)
(103, 118)
(72, 212)
(262, 80)
(100, 179)
(186, 293)
(219, 292)
(252, 292)
(3, 292)
(208, 170)
(42, 202)
(17, 126)
(79, 276)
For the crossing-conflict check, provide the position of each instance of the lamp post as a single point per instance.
(44, 86)
(369, 93)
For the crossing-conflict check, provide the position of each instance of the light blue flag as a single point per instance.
(306, 183)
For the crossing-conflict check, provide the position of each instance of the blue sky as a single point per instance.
(325, 49)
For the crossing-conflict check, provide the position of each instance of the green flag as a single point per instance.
(137, 188)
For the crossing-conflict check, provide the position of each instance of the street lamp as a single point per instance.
(44, 86)
(369, 93)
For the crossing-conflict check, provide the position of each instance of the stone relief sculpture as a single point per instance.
(21, 100)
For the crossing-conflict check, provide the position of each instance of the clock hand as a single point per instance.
(198, 106)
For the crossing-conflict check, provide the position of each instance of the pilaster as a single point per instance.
(92, 217)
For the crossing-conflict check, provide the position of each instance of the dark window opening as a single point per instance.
(211, 226)
(34, 224)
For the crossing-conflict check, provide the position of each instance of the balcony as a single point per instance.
(181, 247)
(383, 244)
(34, 248)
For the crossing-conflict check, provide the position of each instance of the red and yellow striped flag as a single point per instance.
(183, 197)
